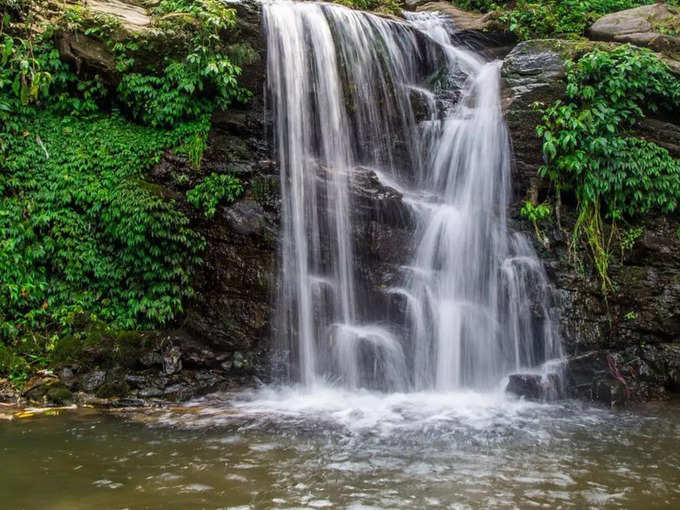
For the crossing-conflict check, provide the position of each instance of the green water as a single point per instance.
(216, 455)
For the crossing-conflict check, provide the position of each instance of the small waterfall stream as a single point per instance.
(343, 89)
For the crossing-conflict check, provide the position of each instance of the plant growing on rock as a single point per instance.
(591, 149)
(535, 214)
(531, 19)
(214, 189)
(81, 232)
(179, 88)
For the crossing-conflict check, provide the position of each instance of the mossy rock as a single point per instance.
(113, 389)
(97, 345)
(59, 394)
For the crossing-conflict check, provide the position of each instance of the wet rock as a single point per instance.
(150, 392)
(8, 393)
(129, 402)
(179, 391)
(377, 201)
(66, 375)
(59, 394)
(534, 386)
(172, 360)
(136, 380)
(246, 217)
(151, 358)
(240, 362)
(113, 389)
(92, 380)
(637, 373)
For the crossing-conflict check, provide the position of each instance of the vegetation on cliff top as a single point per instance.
(535, 19)
(82, 234)
(591, 148)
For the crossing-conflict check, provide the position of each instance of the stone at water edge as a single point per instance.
(533, 386)
(8, 393)
(93, 380)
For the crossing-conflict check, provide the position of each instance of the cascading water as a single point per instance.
(341, 86)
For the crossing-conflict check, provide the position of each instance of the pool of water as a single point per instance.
(332, 449)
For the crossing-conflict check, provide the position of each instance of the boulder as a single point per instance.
(46, 388)
(92, 380)
(534, 386)
(462, 20)
(642, 26)
(480, 31)
(132, 16)
(172, 360)
(8, 393)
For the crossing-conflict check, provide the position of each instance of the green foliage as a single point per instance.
(212, 190)
(81, 232)
(385, 6)
(21, 73)
(536, 213)
(533, 19)
(670, 25)
(590, 147)
(628, 237)
(180, 92)
(481, 5)
(189, 85)
(193, 148)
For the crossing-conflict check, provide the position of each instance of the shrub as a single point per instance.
(189, 85)
(591, 148)
(212, 190)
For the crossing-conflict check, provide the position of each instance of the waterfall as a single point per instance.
(341, 89)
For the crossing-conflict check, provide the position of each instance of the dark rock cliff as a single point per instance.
(625, 344)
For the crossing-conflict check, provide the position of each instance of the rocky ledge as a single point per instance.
(621, 346)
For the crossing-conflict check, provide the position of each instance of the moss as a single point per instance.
(113, 389)
(59, 394)
(98, 345)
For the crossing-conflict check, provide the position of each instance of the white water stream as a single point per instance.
(341, 88)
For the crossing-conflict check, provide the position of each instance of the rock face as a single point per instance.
(221, 339)
(643, 26)
(623, 347)
(480, 31)
(638, 323)
(231, 310)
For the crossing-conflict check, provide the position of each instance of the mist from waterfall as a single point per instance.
(342, 86)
